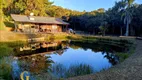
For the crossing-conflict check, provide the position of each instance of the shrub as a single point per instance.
(5, 51)
(5, 69)
(74, 70)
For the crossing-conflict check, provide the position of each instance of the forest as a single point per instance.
(123, 19)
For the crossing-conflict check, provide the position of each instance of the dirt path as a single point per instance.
(130, 69)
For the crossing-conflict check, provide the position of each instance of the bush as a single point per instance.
(74, 70)
(5, 70)
(5, 51)
(78, 70)
(122, 56)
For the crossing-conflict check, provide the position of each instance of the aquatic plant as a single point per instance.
(80, 69)
(74, 70)
(5, 69)
(122, 56)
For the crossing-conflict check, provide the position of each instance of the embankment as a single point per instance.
(130, 69)
(8, 36)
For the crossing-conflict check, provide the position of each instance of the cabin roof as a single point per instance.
(38, 19)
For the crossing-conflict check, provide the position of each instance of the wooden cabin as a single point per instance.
(34, 24)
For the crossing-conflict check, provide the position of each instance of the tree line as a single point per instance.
(124, 18)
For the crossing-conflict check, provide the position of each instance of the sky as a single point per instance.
(87, 5)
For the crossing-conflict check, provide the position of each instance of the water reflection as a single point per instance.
(58, 57)
(112, 58)
(42, 47)
(35, 64)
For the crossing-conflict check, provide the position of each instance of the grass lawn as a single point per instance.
(2, 26)
(8, 24)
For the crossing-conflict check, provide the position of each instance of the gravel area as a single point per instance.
(130, 69)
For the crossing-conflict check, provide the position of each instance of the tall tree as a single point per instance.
(38, 7)
(3, 4)
(127, 15)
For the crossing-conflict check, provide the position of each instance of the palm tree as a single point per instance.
(129, 2)
(127, 21)
(127, 15)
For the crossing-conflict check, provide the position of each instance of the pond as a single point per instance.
(63, 59)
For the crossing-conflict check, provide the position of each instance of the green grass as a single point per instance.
(5, 51)
(78, 70)
(2, 26)
(124, 55)
(9, 24)
(6, 48)
(115, 40)
(56, 36)
(13, 44)
(74, 70)
(5, 69)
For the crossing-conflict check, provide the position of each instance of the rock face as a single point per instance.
(130, 69)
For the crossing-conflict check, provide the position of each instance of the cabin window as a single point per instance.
(54, 26)
(26, 25)
(32, 26)
(36, 27)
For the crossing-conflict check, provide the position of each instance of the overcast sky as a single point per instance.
(87, 5)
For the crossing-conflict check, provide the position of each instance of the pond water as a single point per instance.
(64, 59)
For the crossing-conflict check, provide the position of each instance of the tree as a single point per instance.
(3, 4)
(38, 7)
(127, 15)
(104, 27)
(120, 15)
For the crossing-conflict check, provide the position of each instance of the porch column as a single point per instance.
(23, 27)
(15, 30)
(66, 28)
(38, 28)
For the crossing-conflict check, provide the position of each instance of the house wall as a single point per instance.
(27, 27)
(51, 28)
(32, 28)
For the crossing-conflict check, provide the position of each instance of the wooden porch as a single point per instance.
(39, 28)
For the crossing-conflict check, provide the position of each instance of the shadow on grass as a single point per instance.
(9, 24)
